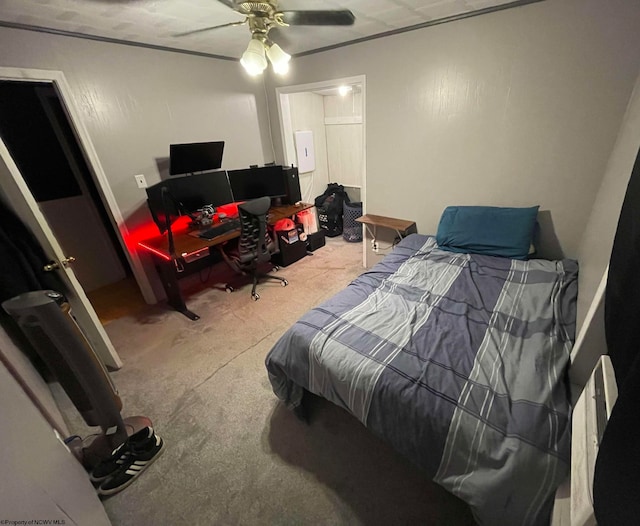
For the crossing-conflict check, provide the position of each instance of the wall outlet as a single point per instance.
(375, 246)
(140, 181)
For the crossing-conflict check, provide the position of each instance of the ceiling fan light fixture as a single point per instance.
(279, 59)
(253, 59)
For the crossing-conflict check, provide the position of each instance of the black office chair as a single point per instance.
(255, 245)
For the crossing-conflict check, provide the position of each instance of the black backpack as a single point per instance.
(329, 206)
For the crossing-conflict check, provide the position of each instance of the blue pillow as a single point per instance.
(488, 230)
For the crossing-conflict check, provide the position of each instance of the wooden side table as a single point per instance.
(402, 227)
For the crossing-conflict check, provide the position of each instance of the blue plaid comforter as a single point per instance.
(458, 361)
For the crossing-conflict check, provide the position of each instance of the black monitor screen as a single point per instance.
(194, 191)
(252, 183)
(195, 157)
(185, 195)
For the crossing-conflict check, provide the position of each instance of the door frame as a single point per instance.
(286, 129)
(70, 106)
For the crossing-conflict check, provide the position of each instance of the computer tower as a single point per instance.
(292, 183)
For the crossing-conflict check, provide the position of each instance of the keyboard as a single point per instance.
(219, 229)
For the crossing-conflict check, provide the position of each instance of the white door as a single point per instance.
(74, 219)
(17, 193)
(42, 482)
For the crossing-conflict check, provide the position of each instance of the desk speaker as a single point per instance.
(292, 183)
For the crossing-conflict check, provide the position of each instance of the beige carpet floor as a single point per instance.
(234, 455)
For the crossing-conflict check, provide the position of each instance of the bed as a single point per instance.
(457, 360)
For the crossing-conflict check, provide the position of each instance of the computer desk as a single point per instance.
(191, 253)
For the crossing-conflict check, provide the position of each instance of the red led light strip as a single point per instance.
(155, 251)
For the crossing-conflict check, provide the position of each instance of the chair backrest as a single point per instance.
(255, 240)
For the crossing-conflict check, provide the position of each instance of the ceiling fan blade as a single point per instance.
(282, 36)
(208, 29)
(228, 3)
(342, 17)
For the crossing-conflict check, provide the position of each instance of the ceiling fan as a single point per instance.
(261, 18)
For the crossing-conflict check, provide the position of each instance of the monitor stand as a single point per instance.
(276, 201)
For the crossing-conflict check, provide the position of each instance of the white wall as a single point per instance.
(337, 139)
(12, 356)
(596, 243)
(41, 478)
(514, 108)
(345, 139)
(307, 114)
(595, 247)
(134, 102)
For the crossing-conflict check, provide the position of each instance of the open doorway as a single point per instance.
(333, 112)
(41, 141)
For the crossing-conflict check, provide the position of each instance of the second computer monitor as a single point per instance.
(195, 191)
(184, 195)
(252, 183)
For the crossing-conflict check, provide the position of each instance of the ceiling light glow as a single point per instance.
(279, 59)
(253, 59)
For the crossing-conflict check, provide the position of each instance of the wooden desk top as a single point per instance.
(185, 243)
(280, 212)
(401, 225)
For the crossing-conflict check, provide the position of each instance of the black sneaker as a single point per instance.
(141, 453)
(110, 465)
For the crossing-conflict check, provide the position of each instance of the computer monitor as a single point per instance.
(185, 195)
(195, 191)
(252, 183)
(195, 157)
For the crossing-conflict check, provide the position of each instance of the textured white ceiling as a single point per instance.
(155, 22)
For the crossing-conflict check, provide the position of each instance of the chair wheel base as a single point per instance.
(229, 288)
(284, 282)
(255, 296)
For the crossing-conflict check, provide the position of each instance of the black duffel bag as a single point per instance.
(329, 206)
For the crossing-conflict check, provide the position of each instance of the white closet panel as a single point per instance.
(345, 151)
(305, 151)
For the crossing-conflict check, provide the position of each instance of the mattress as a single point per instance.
(458, 361)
